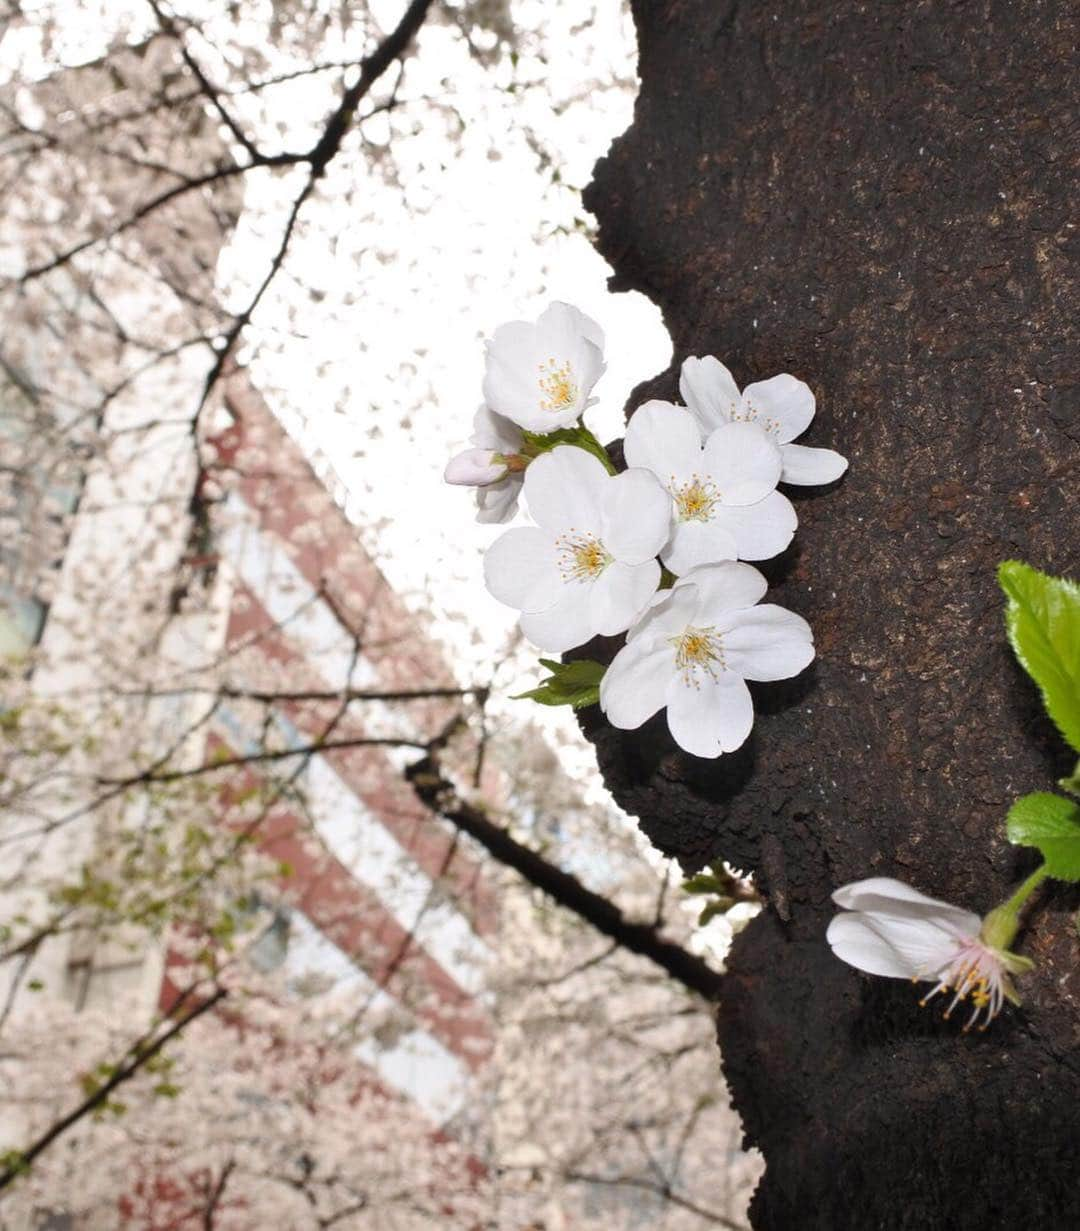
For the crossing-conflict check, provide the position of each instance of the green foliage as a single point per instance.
(1052, 824)
(579, 436)
(576, 684)
(1043, 623)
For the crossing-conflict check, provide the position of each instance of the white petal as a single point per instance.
(565, 490)
(474, 468)
(713, 717)
(760, 530)
(667, 614)
(663, 438)
(782, 405)
(724, 587)
(497, 503)
(521, 569)
(884, 893)
(518, 356)
(620, 594)
(564, 626)
(923, 944)
(709, 391)
(496, 432)
(636, 516)
(767, 643)
(634, 687)
(743, 463)
(855, 942)
(808, 467)
(693, 543)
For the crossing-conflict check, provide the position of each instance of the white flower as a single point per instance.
(540, 375)
(588, 566)
(782, 406)
(487, 466)
(693, 650)
(890, 929)
(726, 506)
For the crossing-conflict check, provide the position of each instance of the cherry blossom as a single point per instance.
(890, 929)
(588, 566)
(693, 651)
(540, 375)
(494, 466)
(726, 506)
(781, 406)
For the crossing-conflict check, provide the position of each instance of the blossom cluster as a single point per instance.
(658, 551)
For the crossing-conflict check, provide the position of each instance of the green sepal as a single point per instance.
(1043, 623)
(580, 437)
(576, 684)
(1052, 825)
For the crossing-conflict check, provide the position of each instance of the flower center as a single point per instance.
(695, 499)
(557, 386)
(698, 650)
(975, 972)
(746, 413)
(581, 557)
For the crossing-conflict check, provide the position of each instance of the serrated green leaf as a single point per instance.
(576, 684)
(1052, 824)
(1043, 623)
(702, 882)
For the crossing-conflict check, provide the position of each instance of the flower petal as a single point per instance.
(743, 462)
(767, 642)
(521, 569)
(620, 594)
(760, 530)
(922, 945)
(667, 614)
(497, 503)
(783, 405)
(885, 894)
(808, 467)
(564, 626)
(636, 516)
(496, 432)
(693, 543)
(663, 438)
(709, 391)
(710, 716)
(565, 490)
(854, 941)
(634, 687)
(723, 587)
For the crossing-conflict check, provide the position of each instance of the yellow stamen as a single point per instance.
(695, 499)
(698, 649)
(557, 385)
(581, 557)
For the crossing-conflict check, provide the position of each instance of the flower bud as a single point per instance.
(475, 468)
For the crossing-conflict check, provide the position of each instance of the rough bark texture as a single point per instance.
(876, 197)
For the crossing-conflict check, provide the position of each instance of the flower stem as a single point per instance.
(1001, 924)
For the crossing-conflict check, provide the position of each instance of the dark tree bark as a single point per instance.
(876, 198)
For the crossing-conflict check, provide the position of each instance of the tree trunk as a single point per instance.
(875, 197)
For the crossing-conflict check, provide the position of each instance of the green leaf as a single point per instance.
(580, 437)
(576, 684)
(1052, 824)
(1043, 623)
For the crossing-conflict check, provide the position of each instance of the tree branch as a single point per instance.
(139, 1054)
(440, 795)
